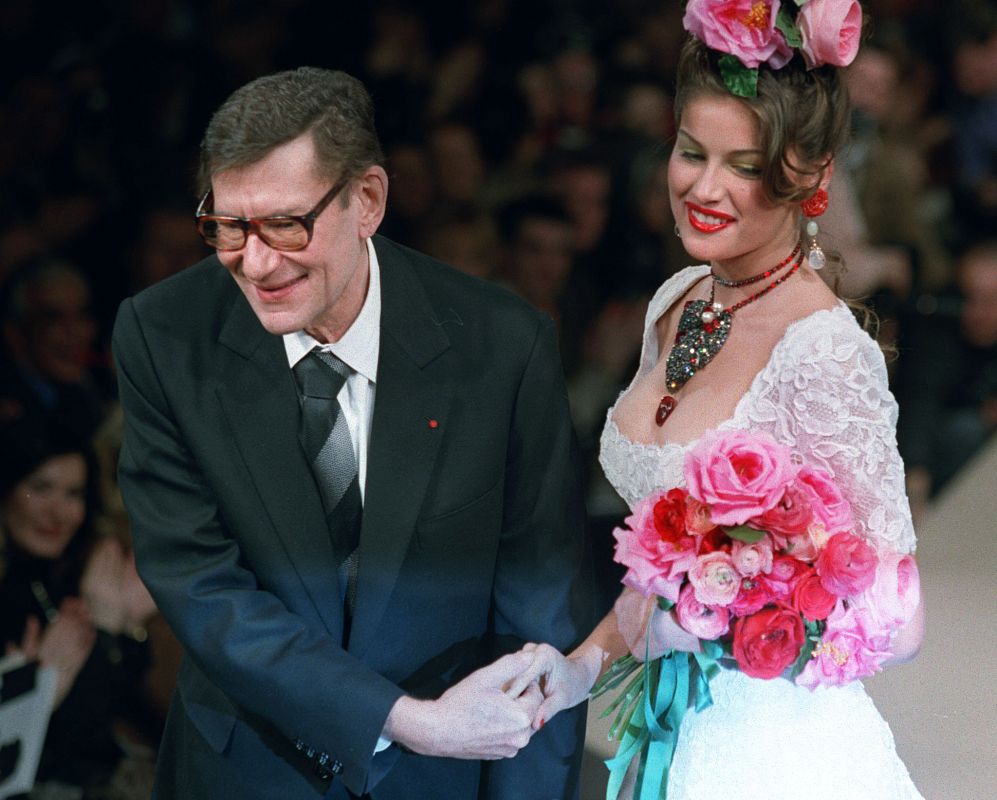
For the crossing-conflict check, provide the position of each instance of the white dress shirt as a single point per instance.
(358, 348)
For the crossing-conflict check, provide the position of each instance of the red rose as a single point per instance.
(767, 642)
(713, 541)
(811, 599)
(847, 565)
(669, 516)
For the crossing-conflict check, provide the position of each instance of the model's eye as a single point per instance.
(691, 155)
(748, 170)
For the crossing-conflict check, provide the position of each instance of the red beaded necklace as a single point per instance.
(703, 329)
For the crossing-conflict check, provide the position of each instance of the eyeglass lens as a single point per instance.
(281, 234)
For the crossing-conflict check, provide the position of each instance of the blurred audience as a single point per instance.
(74, 602)
(49, 366)
(947, 382)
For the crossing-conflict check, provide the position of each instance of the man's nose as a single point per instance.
(258, 258)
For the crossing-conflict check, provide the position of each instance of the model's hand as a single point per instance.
(648, 630)
(65, 644)
(474, 719)
(564, 680)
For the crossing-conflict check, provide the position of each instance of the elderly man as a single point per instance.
(351, 477)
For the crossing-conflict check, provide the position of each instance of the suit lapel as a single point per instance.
(413, 391)
(258, 395)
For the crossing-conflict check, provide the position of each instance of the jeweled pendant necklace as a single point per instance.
(703, 329)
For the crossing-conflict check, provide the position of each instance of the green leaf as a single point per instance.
(785, 23)
(801, 3)
(741, 80)
(665, 604)
(745, 534)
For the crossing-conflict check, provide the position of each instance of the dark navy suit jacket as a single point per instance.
(472, 537)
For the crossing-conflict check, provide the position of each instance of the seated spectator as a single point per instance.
(48, 336)
(947, 384)
(73, 603)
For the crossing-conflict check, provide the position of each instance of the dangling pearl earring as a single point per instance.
(813, 207)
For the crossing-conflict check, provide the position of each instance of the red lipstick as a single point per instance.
(713, 222)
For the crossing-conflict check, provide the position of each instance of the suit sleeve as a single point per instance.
(542, 573)
(276, 667)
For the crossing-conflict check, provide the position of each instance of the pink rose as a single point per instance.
(830, 30)
(846, 565)
(852, 648)
(895, 592)
(740, 475)
(786, 572)
(702, 621)
(743, 28)
(752, 596)
(807, 546)
(656, 564)
(790, 516)
(750, 559)
(714, 578)
(830, 509)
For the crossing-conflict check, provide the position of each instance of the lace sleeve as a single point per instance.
(825, 394)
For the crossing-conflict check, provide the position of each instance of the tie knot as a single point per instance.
(321, 374)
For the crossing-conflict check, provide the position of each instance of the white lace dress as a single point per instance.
(823, 393)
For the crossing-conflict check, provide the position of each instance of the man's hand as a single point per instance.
(475, 719)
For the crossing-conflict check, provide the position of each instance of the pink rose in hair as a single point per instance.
(895, 593)
(743, 28)
(714, 578)
(740, 475)
(846, 565)
(702, 621)
(851, 648)
(830, 30)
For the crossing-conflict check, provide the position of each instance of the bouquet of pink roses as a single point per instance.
(759, 559)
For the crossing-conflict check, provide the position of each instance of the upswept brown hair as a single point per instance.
(275, 109)
(803, 116)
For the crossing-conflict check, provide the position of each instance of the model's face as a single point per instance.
(716, 193)
(44, 511)
(321, 288)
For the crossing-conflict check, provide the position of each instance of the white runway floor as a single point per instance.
(943, 706)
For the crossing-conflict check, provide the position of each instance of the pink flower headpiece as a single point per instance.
(753, 32)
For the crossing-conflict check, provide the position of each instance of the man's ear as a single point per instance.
(372, 194)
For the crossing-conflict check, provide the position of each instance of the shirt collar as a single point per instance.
(359, 346)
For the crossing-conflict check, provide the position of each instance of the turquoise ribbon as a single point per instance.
(653, 730)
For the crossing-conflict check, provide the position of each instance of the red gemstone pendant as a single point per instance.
(665, 407)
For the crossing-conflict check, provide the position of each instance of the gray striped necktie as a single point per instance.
(325, 437)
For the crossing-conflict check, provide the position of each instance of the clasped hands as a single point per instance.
(494, 711)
